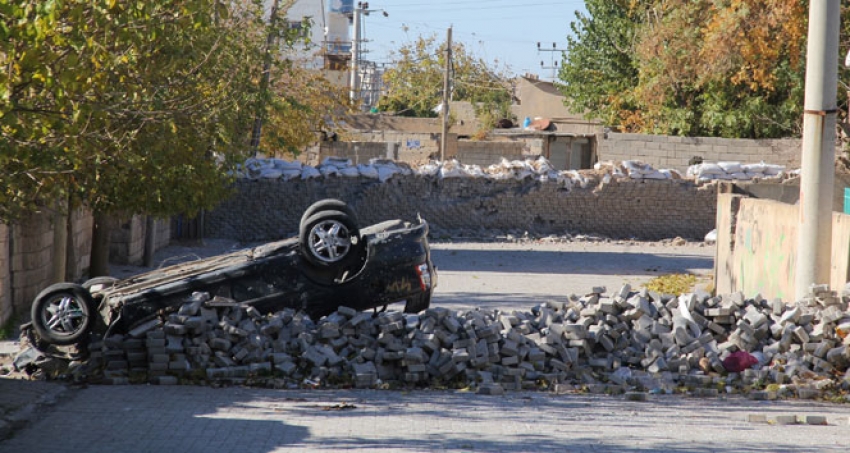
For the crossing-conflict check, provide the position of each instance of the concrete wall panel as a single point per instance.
(840, 259)
(766, 248)
(757, 247)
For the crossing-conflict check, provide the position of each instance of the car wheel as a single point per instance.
(62, 314)
(418, 303)
(328, 204)
(328, 238)
(99, 283)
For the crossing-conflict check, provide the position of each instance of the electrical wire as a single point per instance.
(477, 5)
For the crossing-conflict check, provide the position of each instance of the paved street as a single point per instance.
(518, 276)
(130, 419)
(235, 420)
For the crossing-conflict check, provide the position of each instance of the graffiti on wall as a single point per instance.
(765, 240)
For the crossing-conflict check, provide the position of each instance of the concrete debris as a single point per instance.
(633, 342)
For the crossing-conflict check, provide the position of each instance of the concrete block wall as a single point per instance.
(127, 243)
(264, 210)
(358, 152)
(6, 310)
(667, 152)
(414, 147)
(26, 259)
(82, 223)
(31, 252)
(489, 153)
(420, 148)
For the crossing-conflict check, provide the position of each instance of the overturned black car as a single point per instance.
(331, 263)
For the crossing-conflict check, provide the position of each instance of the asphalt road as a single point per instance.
(149, 419)
(517, 276)
(508, 276)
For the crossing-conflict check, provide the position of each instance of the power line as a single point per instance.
(511, 4)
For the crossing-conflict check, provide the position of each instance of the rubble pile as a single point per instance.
(607, 343)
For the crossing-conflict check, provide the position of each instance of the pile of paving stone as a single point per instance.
(603, 343)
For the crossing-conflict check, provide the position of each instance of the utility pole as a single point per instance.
(553, 65)
(355, 54)
(446, 85)
(818, 159)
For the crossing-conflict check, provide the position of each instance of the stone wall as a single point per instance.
(669, 152)
(271, 209)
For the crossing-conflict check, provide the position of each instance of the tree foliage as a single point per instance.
(133, 106)
(302, 104)
(733, 68)
(600, 73)
(414, 86)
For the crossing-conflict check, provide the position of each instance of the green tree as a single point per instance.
(599, 74)
(415, 83)
(132, 107)
(303, 103)
(732, 68)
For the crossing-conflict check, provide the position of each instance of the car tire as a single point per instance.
(102, 282)
(418, 303)
(329, 239)
(328, 204)
(63, 314)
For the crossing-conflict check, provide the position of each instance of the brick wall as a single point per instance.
(271, 209)
(663, 151)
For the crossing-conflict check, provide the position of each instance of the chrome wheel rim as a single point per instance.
(330, 241)
(64, 314)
